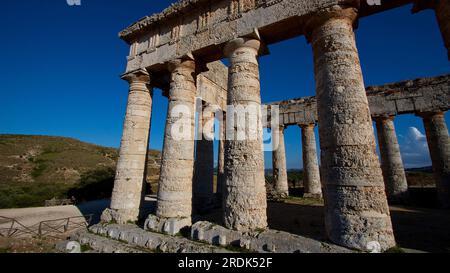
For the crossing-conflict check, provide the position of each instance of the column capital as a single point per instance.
(139, 75)
(335, 12)
(186, 62)
(430, 114)
(232, 45)
(309, 125)
(382, 118)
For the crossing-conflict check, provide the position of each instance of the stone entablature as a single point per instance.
(203, 27)
(212, 85)
(406, 97)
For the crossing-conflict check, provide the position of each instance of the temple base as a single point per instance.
(171, 226)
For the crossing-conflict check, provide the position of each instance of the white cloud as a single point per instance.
(414, 149)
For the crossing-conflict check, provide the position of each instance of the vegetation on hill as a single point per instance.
(38, 168)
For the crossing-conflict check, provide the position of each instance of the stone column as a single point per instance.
(311, 173)
(129, 183)
(439, 145)
(174, 206)
(279, 164)
(391, 161)
(245, 205)
(221, 162)
(356, 210)
(203, 188)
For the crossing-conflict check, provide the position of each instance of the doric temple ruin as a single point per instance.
(179, 51)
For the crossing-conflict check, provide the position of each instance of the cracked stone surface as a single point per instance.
(98, 244)
(137, 237)
(354, 191)
(279, 165)
(391, 161)
(312, 184)
(175, 183)
(130, 173)
(393, 99)
(268, 241)
(245, 194)
(439, 146)
(356, 208)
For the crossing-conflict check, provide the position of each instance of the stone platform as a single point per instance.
(135, 236)
(268, 241)
(206, 237)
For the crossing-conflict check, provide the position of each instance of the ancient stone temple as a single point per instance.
(179, 51)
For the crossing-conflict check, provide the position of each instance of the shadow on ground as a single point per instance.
(424, 229)
(415, 228)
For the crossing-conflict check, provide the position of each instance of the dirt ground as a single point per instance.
(27, 245)
(415, 228)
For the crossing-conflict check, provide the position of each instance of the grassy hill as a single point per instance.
(37, 168)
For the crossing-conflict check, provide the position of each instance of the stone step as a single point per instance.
(92, 243)
(267, 241)
(135, 236)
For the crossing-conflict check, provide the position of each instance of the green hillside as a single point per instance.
(37, 168)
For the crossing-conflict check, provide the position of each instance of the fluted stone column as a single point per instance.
(129, 183)
(203, 188)
(279, 164)
(311, 173)
(174, 206)
(245, 206)
(439, 145)
(221, 162)
(391, 161)
(356, 210)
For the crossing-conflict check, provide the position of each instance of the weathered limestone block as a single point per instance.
(268, 241)
(279, 164)
(128, 191)
(245, 202)
(356, 210)
(136, 237)
(391, 161)
(169, 226)
(405, 97)
(98, 244)
(204, 26)
(204, 170)
(175, 184)
(439, 146)
(312, 184)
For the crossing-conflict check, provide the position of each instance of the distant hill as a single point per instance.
(37, 168)
(421, 170)
(421, 177)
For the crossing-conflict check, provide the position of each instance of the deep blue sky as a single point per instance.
(60, 67)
